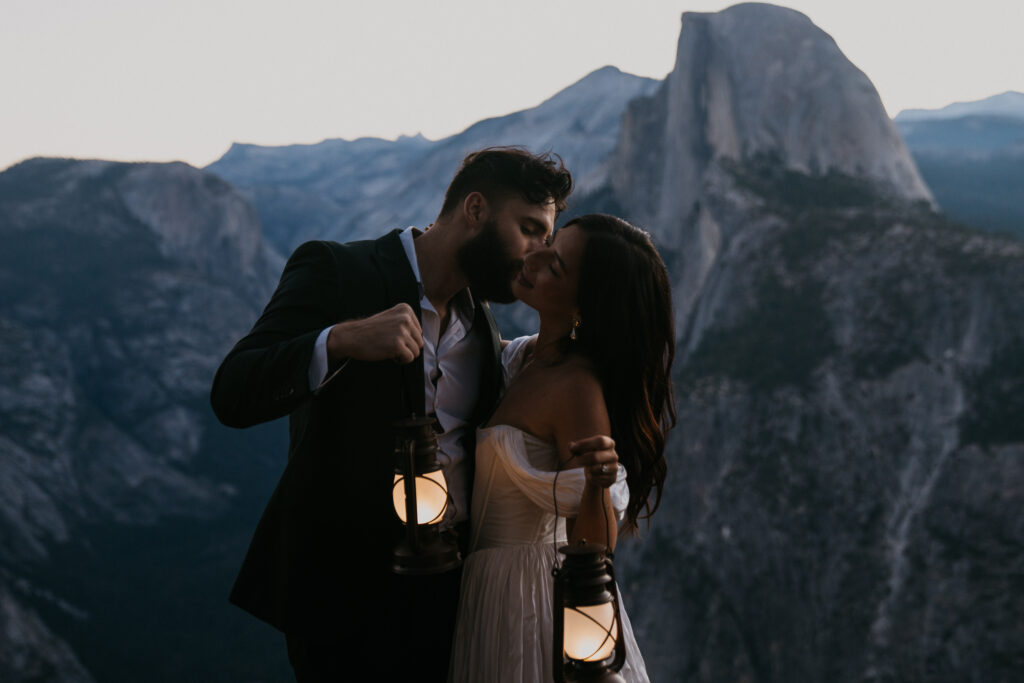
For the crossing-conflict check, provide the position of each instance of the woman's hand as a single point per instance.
(596, 454)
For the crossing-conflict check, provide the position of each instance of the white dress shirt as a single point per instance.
(451, 379)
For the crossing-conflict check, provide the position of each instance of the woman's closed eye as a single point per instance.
(552, 261)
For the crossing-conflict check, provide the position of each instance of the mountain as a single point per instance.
(120, 286)
(754, 83)
(971, 154)
(846, 477)
(973, 138)
(344, 190)
(1009, 104)
(848, 461)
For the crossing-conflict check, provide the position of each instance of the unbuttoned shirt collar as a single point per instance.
(462, 303)
(451, 379)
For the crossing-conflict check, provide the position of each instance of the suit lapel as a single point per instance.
(400, 285)
(490, 364)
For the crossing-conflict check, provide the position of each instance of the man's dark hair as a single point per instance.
(500, 172)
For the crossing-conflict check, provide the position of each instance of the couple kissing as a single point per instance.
(556, 435)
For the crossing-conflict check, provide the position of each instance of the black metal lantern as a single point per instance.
(420, 497)
(587, 625)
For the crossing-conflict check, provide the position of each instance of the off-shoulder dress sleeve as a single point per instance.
(539, 485)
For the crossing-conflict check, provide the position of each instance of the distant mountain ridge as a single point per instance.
(972, 156)
(1009, 104)
(344, 190)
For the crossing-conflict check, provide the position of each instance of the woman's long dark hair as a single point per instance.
(627, 331)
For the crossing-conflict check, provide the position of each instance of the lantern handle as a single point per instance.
(620, 649)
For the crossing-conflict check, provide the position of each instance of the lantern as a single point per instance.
(420, 497)
(587, 624)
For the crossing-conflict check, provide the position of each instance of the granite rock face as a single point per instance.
(846, 476)
(848, 459)
(31, 652)
(119, 286)
(755, 81)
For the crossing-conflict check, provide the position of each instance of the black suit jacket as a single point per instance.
(319, 562)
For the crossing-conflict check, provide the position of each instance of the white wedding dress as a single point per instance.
(504, 628)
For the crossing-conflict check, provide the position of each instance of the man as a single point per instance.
(355, 337)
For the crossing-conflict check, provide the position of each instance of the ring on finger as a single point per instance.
(604, 469)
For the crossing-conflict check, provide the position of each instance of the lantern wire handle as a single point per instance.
(450, 503)
(601, 627)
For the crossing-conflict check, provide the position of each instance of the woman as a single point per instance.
(600, 364)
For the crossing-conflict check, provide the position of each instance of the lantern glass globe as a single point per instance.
(431, 497)
(590, 632)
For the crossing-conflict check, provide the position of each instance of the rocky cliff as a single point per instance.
(972, 156)
(848, 461)
(752, 82)
(120, 286)
(846, 477)
(848, 458)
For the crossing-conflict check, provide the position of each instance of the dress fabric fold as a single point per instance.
(504, 627)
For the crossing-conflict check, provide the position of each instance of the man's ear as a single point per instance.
(475, 208)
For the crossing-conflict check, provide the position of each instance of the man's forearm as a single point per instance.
(259, 384)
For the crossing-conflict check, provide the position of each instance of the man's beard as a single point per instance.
(487, 265)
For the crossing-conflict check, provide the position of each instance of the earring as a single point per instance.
(572, 335)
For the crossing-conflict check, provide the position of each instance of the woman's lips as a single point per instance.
(523, 281)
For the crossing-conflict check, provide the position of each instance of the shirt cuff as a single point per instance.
(318, 363)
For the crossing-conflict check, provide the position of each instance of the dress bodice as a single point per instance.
(511, 503)
(515, 499)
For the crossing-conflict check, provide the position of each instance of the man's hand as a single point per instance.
(597, 455)
(392, 334)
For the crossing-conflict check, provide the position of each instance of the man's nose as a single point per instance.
(538, 258)
(536, 243)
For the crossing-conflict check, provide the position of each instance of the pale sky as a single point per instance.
(159, 80)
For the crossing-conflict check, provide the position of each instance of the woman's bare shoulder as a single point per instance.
(577, 386)
(579, 373)
(577, 407)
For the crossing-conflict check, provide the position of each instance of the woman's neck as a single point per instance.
(551, 338)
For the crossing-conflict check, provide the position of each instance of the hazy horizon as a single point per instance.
(182, 81)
